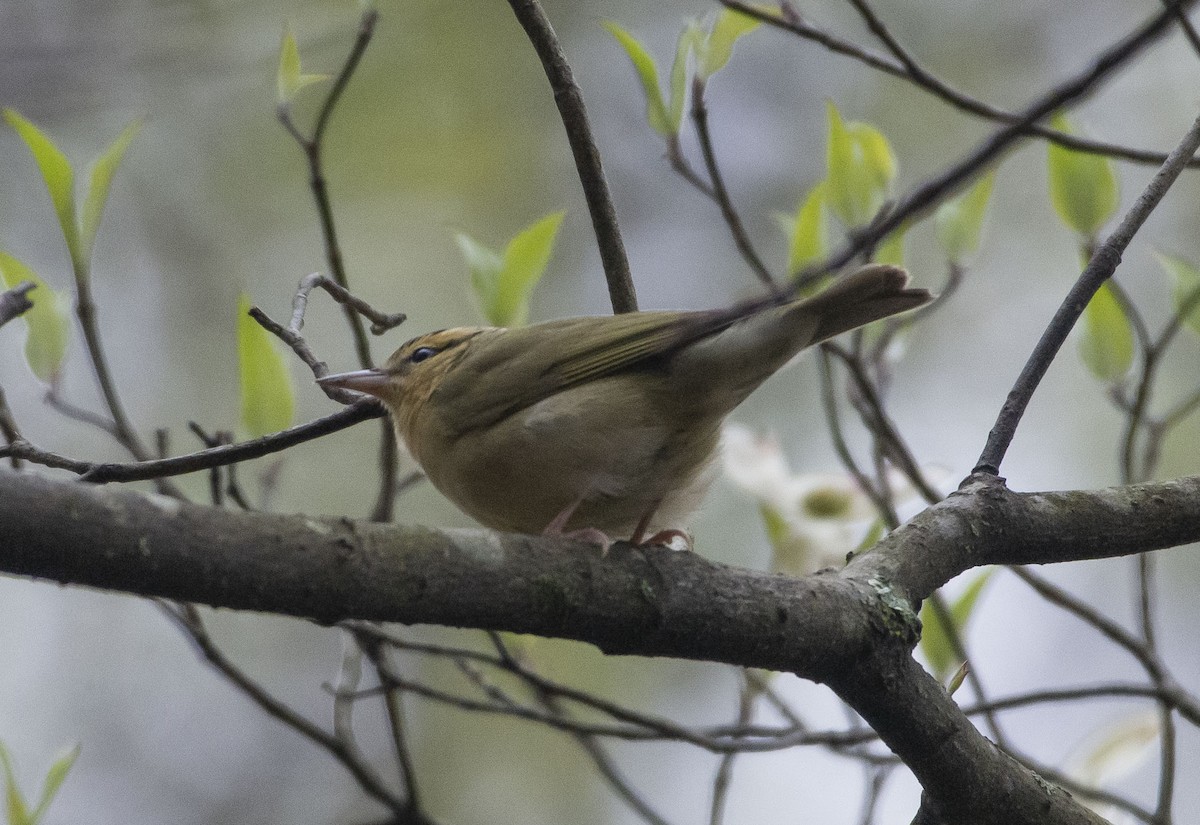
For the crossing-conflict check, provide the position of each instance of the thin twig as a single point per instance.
(569, 99)
(381, 322)
(934, 191)
(954, 637)
(1181, 700)
(15, 301)
(684, 169)
(312, 148)
(187, 617)
(1189, 31)
(202, 460)
(877, 776)
(724, 776)
(69, 410)
(926, 81)
(721, 194)
(879, 497)
(881, 425)
(393, 701)
(1098, 270)
(595, 750)
(348, 678)
(8, 428)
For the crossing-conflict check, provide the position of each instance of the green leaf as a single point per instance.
(959, 222)
(647, 71)
(1106, 343)
(48, 322)
(503, 283)
(525, 260)
(861, 166)
(809, 231)
(935, 642)
(60, 180)
(484, 265)
(689, 40)
(14, 803)
(1187, 282)
(1083, 187)
(268, 403)
(891, 248)
(718, 46)
(99, 182)
(54, 779)
(289, 79)
(958, 678)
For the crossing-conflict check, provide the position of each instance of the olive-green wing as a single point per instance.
(510, 369)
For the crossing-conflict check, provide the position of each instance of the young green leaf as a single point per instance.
(289, 79)
(959, 222)
(1083, 187)
(935, 642)
(268, 403)
(861, 167)
(525, 260)
(1106, 342)
(1186, 290)
(16, 809)
(718, 46)
(484, 264)
(54, 778)
(656, 110)
(809, 231)
(48, 323)
(99, 182)
(958, 678)
(60, 180)
(503, 283)
(689, 39)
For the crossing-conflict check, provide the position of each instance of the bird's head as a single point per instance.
(412, 372)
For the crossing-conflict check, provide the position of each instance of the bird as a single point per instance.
(605, 427)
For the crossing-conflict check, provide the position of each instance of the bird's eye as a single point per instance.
(421, 353)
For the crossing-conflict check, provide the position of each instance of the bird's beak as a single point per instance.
(372, 381)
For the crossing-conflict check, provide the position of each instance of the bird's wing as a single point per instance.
(511, 369)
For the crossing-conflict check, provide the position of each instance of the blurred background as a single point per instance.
(449, 127)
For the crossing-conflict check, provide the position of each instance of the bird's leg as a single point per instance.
(664, 537)
(639, 534)
(591, 535)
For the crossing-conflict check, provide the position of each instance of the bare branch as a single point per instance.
(906, 68)
(934, 191)
(203, 460)
(569, 99)
(719, 193)
(188, 619)
(15, 301)
(1098, 270)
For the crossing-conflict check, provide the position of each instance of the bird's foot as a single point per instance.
(591, 535)
(673, 539)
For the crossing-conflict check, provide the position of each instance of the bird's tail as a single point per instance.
(875, 291)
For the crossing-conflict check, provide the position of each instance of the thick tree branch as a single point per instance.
(852, 630)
